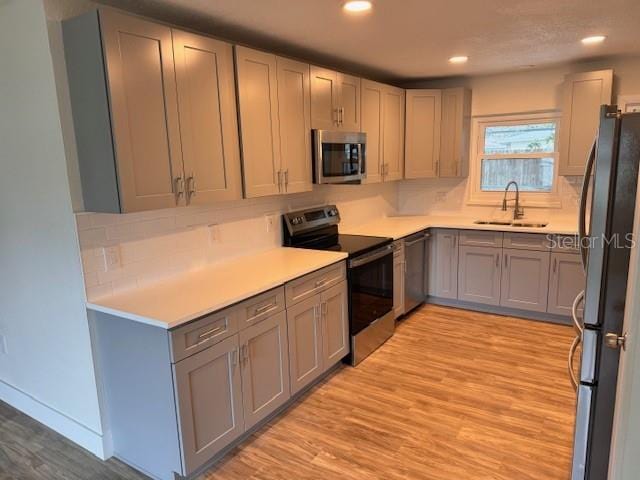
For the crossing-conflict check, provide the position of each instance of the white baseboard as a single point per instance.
(55, 420)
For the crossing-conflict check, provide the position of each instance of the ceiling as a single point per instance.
(412, 39)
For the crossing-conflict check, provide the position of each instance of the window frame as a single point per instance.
(477, 196)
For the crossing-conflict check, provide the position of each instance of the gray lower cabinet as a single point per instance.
(264, 358)
(318, 330)
(443, 274)
(525, 279)
(399, 267)
(208, 391)
(566, 280)
(479, 272)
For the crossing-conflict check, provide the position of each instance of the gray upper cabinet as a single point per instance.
(139, 117)
(525, 279)
(265, 368)
(305, 342)
(582, 96)
(335, 100)
(479, 274)
(208, 118)
(209, 401)
(422, 133)
(566, 280)
(455, 132)
(393, 105)
(372, 126)
(335, 324)
(443, 259)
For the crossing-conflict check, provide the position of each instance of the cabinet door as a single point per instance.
(208, 118)
(294, 100)
(325, 99)
(583, 94)
(566, 280)
(305, 342)
(479, 274)
(209, 399)
(455, 132)
(443, 264)
(144, 111)
(398, 283)
(265, 368)
(372, 126)
(422, 134)
(335, 325)
(525, 279)
(260, 133)
(393, 133)
(349, 102)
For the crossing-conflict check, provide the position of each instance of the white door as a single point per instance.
(422, 133)
(305, 342)
(525, 279)
(479, 272)
(208, 118)
(259, 123)
(335, 324)
(265, 368)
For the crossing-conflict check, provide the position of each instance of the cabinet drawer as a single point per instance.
(565, 244)
(478, 238)
(307, 286)
(527, 241)
(202, 333)
(260, 307)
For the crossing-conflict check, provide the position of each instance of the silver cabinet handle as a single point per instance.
(264, 308)
(244, 353)
(208, 333)
(279, 180)
(555, 265)
(191, 187)
(321, 282)
(506, 260)
(498, 261)
(286, 180)
(336, 116)
(341, 115)
(178, 187)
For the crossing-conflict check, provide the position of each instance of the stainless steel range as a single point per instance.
(369, 273)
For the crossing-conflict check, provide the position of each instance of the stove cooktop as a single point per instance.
(353, 245)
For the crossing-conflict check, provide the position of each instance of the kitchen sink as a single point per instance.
(515, 223)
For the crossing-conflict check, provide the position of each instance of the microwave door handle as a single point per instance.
(582, 215)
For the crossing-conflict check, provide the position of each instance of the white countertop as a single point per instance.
(399, 227)
(190, 295)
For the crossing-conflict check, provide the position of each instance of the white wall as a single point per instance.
(528, 90)
(47, 370)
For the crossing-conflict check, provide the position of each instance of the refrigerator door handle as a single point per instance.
(572, 354)
(582, 215)
(574, 312)
(581, 437)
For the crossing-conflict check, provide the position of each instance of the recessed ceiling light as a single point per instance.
(357, 6)
(459, 59)
(593, 39)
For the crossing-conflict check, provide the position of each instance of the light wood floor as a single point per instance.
(454, 395)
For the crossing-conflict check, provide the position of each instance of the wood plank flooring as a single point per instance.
(454, 395)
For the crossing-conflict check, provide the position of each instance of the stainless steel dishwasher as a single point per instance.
(415, 282)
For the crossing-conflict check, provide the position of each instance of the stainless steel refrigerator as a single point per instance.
(606, 223)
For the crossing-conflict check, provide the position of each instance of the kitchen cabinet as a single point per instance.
(479, 273)
(154, 114)
(566, 280)
(443, 259)
(393, 105)
(264, 358)
(372, 125)
(582, 96)
(399, 268)
(422, 133)
(274, 103)
(318, 329)
(209, 402)
(208, 118)
(335, 100)
(455, 133)
(525, 279)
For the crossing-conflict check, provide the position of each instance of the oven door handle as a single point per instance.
(370, 257)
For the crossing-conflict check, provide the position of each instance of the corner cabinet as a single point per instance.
(274, 107)
(138, 115)
(582, 96)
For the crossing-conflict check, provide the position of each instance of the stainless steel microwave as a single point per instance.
(339, 157)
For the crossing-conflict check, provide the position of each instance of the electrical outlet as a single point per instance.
(111, 257)
(214, 233)
(272, 220)
(3, 345)
(441, 197)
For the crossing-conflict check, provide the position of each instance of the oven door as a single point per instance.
(370, 287)
(339, 157)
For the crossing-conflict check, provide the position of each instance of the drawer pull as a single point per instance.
(321, 283)
(209, 333)
(264, 308)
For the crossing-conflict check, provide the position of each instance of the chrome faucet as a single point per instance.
(518, 211)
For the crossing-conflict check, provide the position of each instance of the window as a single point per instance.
(521, 148)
